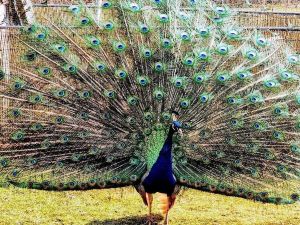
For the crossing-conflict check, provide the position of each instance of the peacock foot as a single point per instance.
(150, 220)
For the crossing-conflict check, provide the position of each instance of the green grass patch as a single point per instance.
(124, 206)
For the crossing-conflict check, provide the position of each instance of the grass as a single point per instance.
(124, 206)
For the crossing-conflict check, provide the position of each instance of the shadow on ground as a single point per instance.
(131, 220)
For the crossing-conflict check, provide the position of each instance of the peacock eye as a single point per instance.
(108, 26)
(294, 148)
(166, 42)
(86, 94)
(33, 161)
(189, 61)
(185, 36)
(121, 74)
(17, 86)
(132, 100)
(4, 163)
(281, 168)
(203, 55)
(158, 66)
(72, 69)
(74, 9)
(134, 7)
(16, 112)
(298, 100)
(204, 32)
(218, 20)
(60, 48)
(184, 103)
(107, 116)
(61, 93)
(95, 41)
(85, 21)
(147, 53)
(261, 41)
(119, 47)
(295, 197)
(46, 71)
(143, 82)
(293, 59)
(106, 5)
(144, 29)
(223, 49)
(183, 15)
(286, 74)
(163, 18)
(41, 36)
(234, 122)
(251, 55)
(231, 100)
(220, 10)
(159, 95)
(30, 29)
(203, 98)
(31, 56)
(15, 172)
(277, 111)
(221, 78)
(101, 67)
(233, 32)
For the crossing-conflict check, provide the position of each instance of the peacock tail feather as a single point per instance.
(88, 102)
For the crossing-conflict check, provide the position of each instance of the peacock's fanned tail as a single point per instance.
(87, 101)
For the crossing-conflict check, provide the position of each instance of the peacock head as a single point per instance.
(175, 115)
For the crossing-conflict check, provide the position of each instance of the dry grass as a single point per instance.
(124, 206)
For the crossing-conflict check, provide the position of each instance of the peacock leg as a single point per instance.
(149, 198)
(166, 217)
(167, 209)
(172, 200)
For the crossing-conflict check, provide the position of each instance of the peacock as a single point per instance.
(90, 101)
